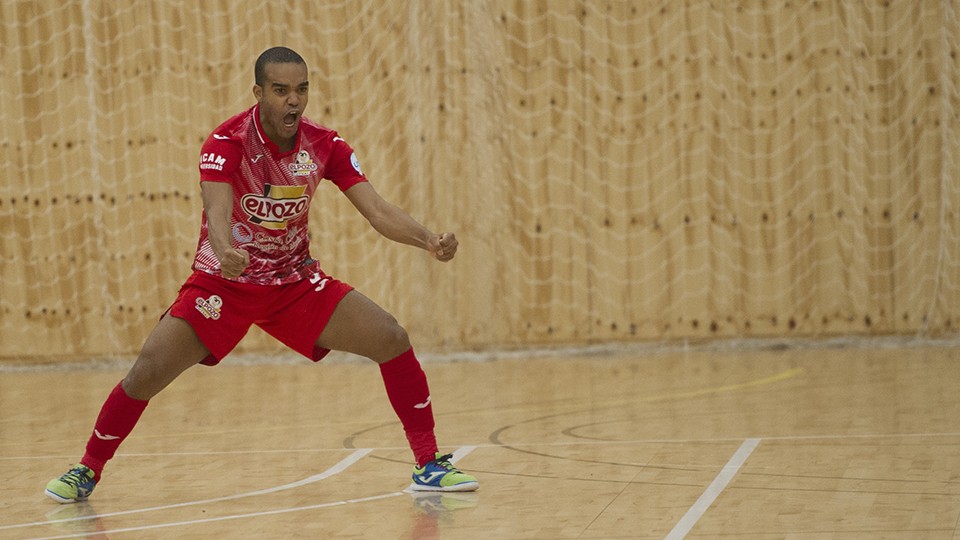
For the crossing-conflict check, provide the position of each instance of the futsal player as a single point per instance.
(258, 174)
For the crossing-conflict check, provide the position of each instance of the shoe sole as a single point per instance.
(466, 486)
(62, 500)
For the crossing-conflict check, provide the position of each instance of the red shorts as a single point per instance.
(221, 311)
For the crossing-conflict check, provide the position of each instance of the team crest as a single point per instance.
(209, 307)
(303, 165)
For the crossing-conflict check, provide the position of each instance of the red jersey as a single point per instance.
(271, 193)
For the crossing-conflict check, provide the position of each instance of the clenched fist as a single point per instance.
(234, 262)
(443, 246)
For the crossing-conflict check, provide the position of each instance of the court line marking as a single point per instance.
(223, 518)
(342, 465)
(713, 491)
(613, 403)
(457, 454)
(461, 453)
(778, 377)
(789, 373)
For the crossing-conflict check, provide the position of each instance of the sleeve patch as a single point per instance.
(211, 161)
(356, 163)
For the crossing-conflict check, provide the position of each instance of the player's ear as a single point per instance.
(258, 92)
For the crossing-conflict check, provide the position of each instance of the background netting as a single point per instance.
(616, 171)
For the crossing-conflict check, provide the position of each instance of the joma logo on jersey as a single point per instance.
(277, 205)
(211, 161)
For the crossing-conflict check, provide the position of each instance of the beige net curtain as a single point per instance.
(641, 172)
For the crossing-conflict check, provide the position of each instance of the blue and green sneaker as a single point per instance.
(75, 485)
(441, 475)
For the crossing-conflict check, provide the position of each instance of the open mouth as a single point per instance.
(290, 119)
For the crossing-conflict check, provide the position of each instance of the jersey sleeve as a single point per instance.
(219, 159)
(343, 169)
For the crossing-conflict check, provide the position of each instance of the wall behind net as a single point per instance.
(629, 171)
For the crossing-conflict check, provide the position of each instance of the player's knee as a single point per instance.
(397, 337)
(394, 340)
(137, 383)
(149, 374)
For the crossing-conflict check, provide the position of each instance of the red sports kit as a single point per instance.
(272, 195)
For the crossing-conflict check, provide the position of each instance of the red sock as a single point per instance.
(407, 389)
(118, 415)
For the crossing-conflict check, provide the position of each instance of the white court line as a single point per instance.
(222, 518)
(338, 468)
(461, 453)
(457, 454)
(713, 491)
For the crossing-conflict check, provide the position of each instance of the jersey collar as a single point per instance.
(274, 149)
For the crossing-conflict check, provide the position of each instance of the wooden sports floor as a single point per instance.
(799, 443)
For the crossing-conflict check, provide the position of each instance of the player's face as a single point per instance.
(282, 98)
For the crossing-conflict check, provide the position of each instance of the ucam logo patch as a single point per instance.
(211, 161)
(277, 205)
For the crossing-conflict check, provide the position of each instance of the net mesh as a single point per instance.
(616, 171)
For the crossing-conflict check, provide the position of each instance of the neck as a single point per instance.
(284, 145)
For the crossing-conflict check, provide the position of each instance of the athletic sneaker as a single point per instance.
(75, 485)
(441, 475)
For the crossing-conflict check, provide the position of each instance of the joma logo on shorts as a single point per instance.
(277, 205)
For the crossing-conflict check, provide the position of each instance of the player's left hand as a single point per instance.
(443, 246)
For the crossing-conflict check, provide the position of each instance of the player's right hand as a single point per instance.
(234, 262)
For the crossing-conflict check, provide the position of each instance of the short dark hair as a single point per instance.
(274, 55)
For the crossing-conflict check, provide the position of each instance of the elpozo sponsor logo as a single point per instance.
(277, 206)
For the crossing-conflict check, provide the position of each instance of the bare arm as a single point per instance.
(218, 206)
(397, 225)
